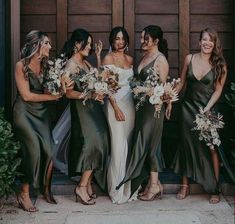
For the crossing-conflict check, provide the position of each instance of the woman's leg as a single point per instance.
(155, 188)
(24, 199)
(47, 191)
(89, 188)
(184, 189)
(216, 166)
(81, 189)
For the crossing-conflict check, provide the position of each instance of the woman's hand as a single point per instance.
(98, 48)
(98, 96)
(67, 83)
(168, 111)
(120, 116)
(206, 110)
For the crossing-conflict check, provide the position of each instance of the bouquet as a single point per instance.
(102, 81)
(153, 90)
(52, 83)
(207, 124)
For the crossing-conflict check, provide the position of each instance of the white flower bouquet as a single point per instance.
(53, 83)
(153, 90)
(102, 81)
(207, 124)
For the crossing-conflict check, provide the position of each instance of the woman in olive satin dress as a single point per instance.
(146, 159)
(30, 119)
(205, 74)
(89, 142)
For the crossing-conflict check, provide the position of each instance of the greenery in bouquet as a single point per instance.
(9, 161)
(208, 124)
(154, 91)
(101, 81)
(53, 83)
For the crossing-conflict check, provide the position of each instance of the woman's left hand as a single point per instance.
(98, 48)
(168, 111)
(67, 83)
(206, 110)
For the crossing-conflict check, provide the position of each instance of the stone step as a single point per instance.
(63, 185)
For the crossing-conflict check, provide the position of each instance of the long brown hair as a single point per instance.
(217, 59)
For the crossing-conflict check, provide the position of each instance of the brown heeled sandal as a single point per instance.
(78, 195)
(154, 195)
(183, 192)
(20, 201)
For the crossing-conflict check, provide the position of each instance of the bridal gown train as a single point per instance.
(120, 133)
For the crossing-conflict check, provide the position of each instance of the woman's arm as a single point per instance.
(217, 93)
(161, 65)
(184, 73)
(23, 87)
(98, 50)
(120, 116)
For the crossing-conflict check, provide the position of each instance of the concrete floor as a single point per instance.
(194, 209)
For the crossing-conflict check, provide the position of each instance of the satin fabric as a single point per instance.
(89, 142)
(32, 128)
(193, 157)
(146, 155)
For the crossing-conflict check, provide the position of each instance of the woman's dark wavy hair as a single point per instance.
(33, 42)
(155, 32)
(113, 35)
(217, 60)
(78, 36)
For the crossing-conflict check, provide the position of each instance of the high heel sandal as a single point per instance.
(48, 196)
(92, 195)
(183, 192)
(21, 203)
(145, 191)
(157, 194)
(78, 195)
(214, 199)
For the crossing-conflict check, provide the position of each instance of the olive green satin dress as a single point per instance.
(193, 157)
(146, 155)
(32, 129)
(89, 143)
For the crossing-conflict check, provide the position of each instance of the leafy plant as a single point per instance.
(231, 96)
(8, 157)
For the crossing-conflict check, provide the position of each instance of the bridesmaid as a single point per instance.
(120, 112)
(205, 74)
(89, 143)
(146, 157)
(30, 119)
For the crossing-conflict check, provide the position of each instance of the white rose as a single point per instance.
(155, 100)
(158, 90)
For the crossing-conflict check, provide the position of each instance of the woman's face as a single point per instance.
(85, 52)
(147, 42)
(45, 47)
(206, 43)
(119, 43)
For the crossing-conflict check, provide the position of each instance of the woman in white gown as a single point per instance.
(120, 113)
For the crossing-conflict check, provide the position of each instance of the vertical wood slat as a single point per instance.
(233, 65)
(15, 42)
(184, 31)
(117, 13)
(62, 23)
(129, 23)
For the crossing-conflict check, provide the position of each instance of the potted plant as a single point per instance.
(8, 158)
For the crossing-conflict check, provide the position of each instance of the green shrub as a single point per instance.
(231, 96)
(8, 157)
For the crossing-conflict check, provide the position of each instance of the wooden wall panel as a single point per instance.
(89, 7)
(34, 7)
(93, 23)
(221, 23)
(46, 23)
(166, 22)
(211, 7)
(156, 7)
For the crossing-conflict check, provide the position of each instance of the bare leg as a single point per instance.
(47, 192)
(155, 188)
(81, 189)
(89, 188)
(24, 199)
(216, 165)
(184, 189)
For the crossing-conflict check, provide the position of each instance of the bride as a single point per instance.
(120, 114)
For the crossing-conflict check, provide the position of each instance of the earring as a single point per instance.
(75, 49)
(127, 49)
